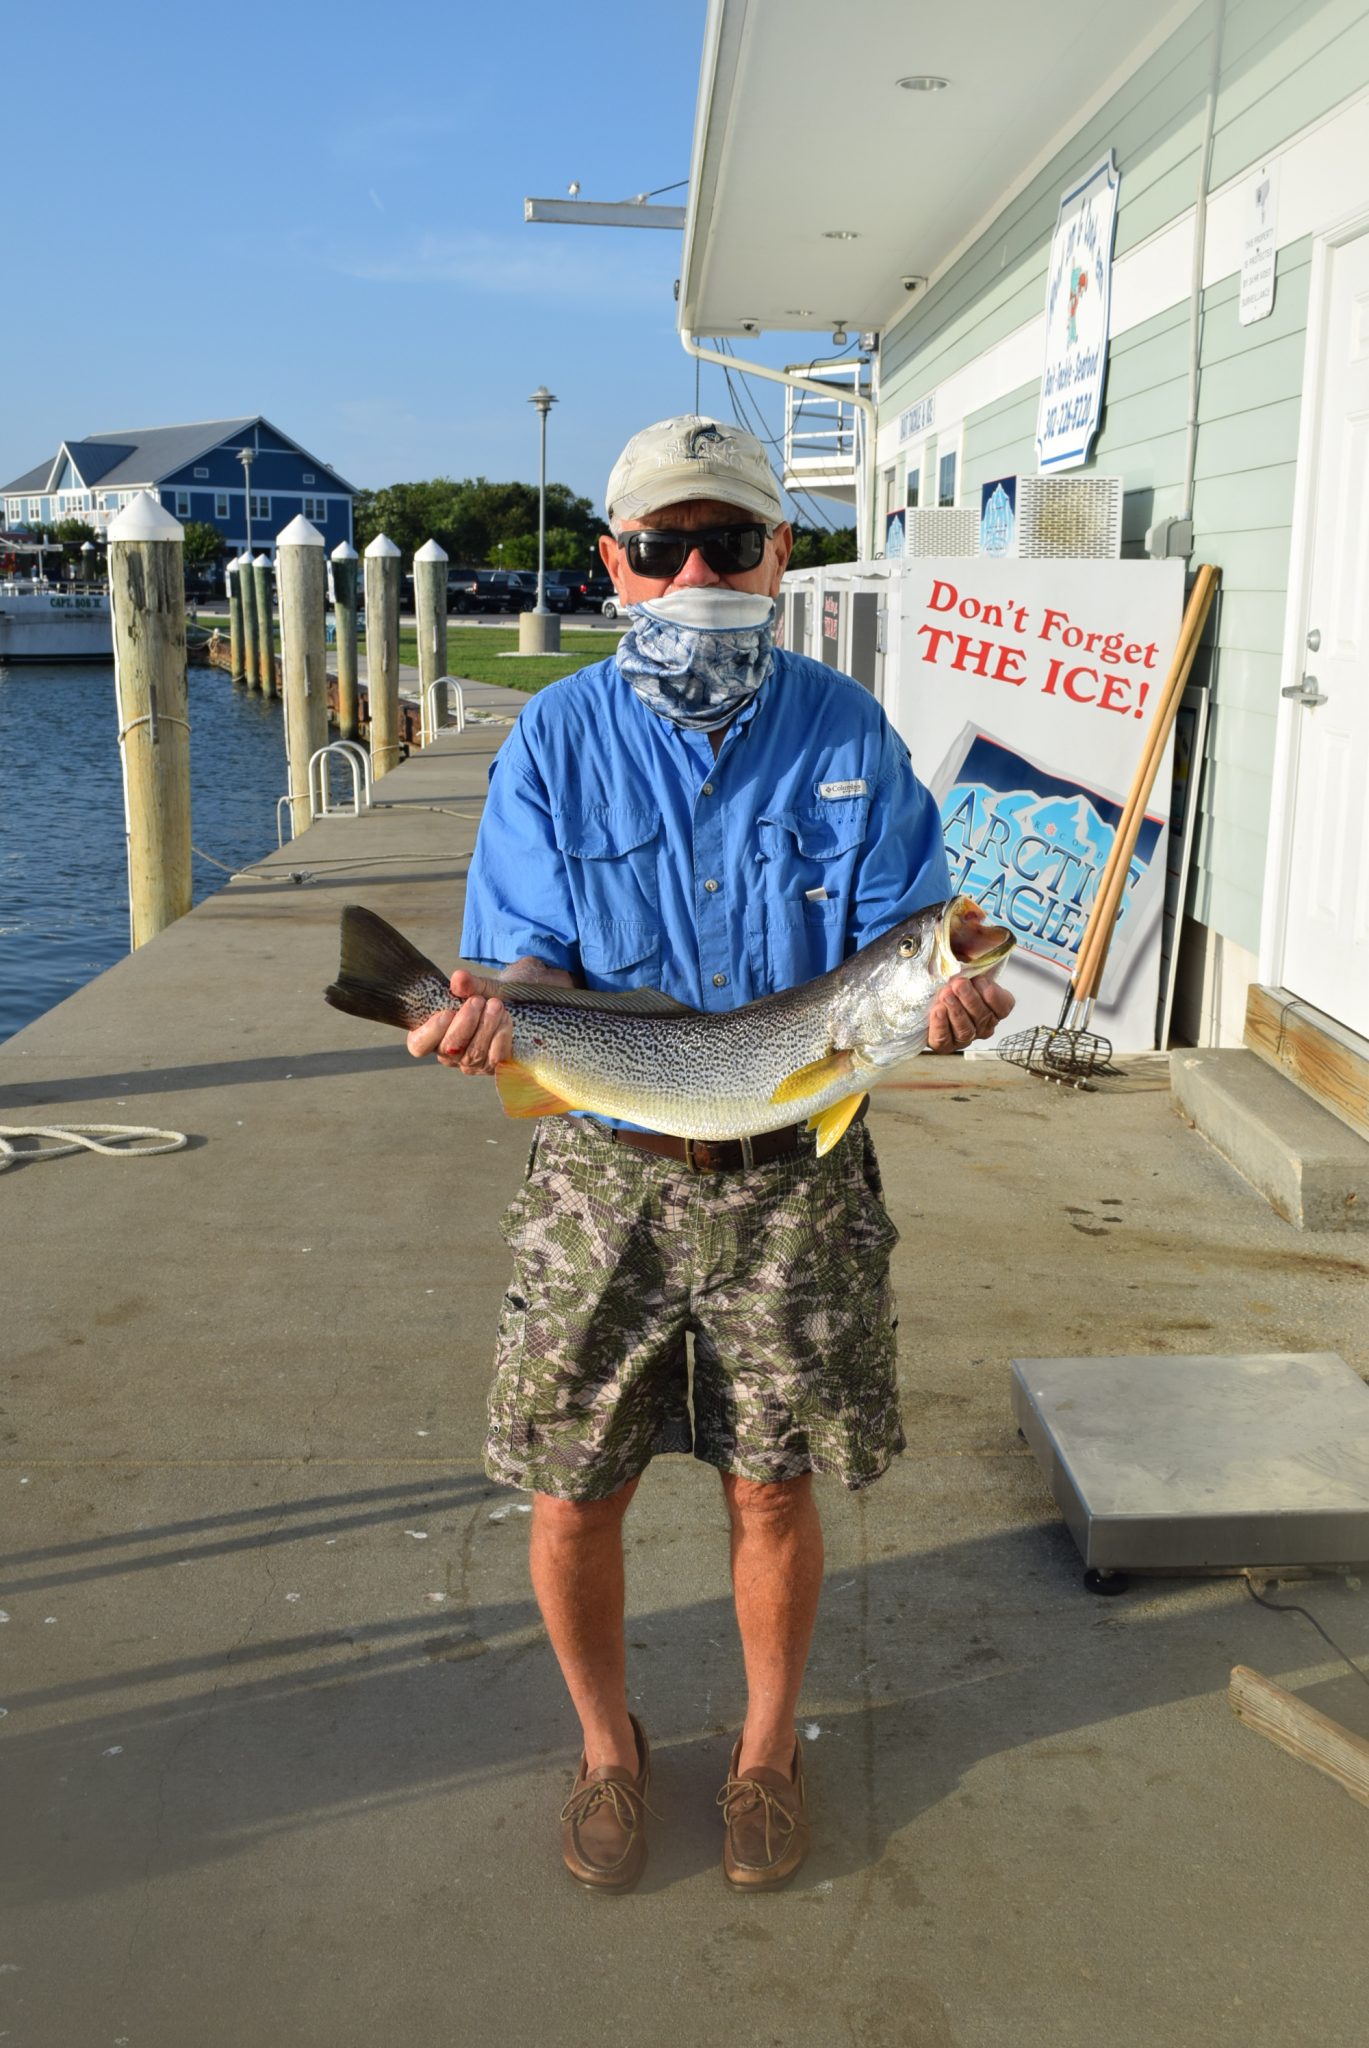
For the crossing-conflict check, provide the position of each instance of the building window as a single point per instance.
(913, 489)
(221, 504)
(316, 508)
(945, 480)
(890, 482)
(111, 501)
(182, 504)
(307, 477)
(260, 507)
(201, 472)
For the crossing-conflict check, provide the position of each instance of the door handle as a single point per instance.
(1305, 692)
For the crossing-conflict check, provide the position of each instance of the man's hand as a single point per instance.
(966, 1010)
(478, 1032)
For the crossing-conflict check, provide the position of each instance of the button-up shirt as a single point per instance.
(614, 845)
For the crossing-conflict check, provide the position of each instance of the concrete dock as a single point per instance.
(284, 1746)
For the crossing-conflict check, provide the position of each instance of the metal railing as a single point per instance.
(358, 762)
(428, 728)
(823, 433)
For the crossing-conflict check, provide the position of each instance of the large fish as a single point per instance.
(808, 1053)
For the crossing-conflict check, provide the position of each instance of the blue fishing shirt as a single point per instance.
(613, 844)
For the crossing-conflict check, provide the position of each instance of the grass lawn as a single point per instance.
(474, 651)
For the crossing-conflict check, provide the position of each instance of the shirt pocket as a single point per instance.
(806, 863)
(610, 853)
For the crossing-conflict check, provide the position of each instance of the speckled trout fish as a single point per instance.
(808, 1053)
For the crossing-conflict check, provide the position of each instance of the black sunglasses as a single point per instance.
(728, 550)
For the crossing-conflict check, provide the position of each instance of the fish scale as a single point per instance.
(692, 1073)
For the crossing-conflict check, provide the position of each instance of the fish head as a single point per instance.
(888, 989)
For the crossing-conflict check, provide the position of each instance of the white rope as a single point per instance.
(69, 1138)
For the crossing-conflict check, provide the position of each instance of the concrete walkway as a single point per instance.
(284, 1746)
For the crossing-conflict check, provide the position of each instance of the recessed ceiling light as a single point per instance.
(840, 235)
(798, 312)
(924, 81)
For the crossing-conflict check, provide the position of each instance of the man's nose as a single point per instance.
(695, 574)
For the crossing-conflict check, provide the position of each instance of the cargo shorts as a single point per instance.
(779, 1273)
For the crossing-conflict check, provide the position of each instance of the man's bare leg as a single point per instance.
(776, 1581)
(576, 1556)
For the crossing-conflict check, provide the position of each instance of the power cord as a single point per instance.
(1291, 1607)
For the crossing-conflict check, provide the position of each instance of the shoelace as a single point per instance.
(608, 1792)
(740, 1795)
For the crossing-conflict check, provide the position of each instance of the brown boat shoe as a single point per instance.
(603, 1830)
(766, 1817)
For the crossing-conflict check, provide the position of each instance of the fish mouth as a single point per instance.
(967, 944)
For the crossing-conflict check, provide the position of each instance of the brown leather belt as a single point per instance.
(723, 1155)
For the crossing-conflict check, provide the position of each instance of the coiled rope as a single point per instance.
(133, 1141)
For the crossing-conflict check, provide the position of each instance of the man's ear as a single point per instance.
(782, 540)
(611, 555)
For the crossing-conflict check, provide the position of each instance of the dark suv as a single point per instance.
(469, 590)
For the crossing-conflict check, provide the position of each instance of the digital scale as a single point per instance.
(1176, 1465)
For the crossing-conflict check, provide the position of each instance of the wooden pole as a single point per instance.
(1093, 947)
(147, 597)
(266, 627)
(1301, 1730)
(303, 613)
(430, 607)
(344, 559)
(233, 588)
(247, 590)
(383, 567)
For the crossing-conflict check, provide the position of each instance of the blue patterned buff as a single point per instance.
(696, 656)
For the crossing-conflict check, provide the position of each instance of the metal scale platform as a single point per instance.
(1172, 1465)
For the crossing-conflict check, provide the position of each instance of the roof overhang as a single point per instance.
(818, 183)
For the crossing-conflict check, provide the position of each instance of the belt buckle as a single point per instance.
(748, 1152)
(689, 1158)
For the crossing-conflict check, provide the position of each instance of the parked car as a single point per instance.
(471, 590)
(597, 588)
(613, 606)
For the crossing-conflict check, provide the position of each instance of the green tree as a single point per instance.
(71, 533)
(203, 543)
(472, 517)
(815, 546)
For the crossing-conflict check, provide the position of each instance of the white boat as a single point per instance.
(45, 621)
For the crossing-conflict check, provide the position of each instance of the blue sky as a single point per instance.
(316, 213)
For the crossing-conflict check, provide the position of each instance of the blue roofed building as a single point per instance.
(196, 472)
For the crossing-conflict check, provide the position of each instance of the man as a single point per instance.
(705, 814)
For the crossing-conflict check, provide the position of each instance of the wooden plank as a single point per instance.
(1312, 1737)
(1327, 1060)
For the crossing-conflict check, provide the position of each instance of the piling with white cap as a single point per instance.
(147, 598)
(247, 590)
(430, 608)
(303, 583)
(344, 560)
(234, 593)
(383, 569)
(266, 628)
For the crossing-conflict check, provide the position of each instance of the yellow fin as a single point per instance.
(522, 1094)
(818, 1074)
(831, 1124)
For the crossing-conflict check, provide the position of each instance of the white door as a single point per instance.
(1326, 949)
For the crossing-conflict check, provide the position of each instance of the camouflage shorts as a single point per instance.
(779, 1273)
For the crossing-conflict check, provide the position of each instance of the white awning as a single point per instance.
(819, 182)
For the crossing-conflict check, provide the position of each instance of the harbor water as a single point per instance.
(63, 874)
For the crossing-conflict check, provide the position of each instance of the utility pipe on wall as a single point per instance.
(865, 482)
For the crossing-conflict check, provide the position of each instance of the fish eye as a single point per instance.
(907, 948)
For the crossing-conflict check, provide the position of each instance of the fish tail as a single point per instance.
(381, 976)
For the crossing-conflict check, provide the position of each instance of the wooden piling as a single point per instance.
(383, 567)
(266, 633)
(344, 559)
(303, 582)
(247, 590)
(232, 587)
(147, 598)
(430, 608)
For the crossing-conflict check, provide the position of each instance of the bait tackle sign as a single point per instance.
(1078, 306)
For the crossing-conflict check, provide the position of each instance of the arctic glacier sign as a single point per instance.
(1078, 303)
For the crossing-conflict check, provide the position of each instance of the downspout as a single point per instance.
(865, 541)
(1195, 305)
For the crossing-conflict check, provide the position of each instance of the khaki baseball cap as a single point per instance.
(692, 457)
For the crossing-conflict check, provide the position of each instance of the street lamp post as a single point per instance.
(539, 631)
(247, 456)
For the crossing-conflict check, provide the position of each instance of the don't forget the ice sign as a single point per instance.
(1078, 303)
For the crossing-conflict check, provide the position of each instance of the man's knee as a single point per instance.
(767, 1503)
(572, 1518)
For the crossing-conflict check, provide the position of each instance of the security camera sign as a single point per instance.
(1026, 693)
(1078, 305)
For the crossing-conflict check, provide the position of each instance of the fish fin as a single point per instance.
(522, 1094)
(831, 1124)
(381, 974)
(623, 1002)
(818, 1074)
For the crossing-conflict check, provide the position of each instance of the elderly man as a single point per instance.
(710, 815)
